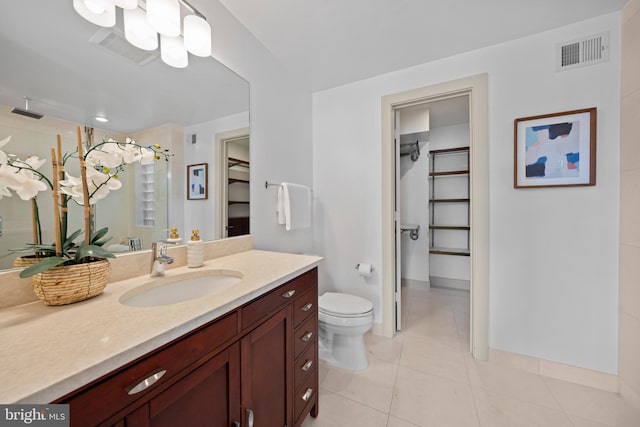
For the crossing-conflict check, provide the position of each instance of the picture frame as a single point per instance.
(555, 150)
(197, 181)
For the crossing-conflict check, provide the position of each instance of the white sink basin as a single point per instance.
(185, 287)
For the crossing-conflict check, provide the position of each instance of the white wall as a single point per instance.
(553, 252)
(414, 206)
(280, 111)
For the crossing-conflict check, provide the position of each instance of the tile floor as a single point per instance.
(424, 376)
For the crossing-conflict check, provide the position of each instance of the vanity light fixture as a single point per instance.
(158, 17)
(172, 51)
(99, 12)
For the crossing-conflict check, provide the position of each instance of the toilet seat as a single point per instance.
(337, 304)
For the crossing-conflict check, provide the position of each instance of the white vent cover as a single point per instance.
(582, 52)
(113, 40)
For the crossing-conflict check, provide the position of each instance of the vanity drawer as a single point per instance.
(95, 404)
(305, 335)
(304, 365)
(305, 397)
(279, 297)
(304, 306)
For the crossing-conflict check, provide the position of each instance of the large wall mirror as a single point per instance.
(74, 71)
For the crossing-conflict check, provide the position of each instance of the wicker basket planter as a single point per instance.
(25, 261)
(67, 284)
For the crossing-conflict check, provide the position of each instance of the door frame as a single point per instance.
(222, 176)
(476, 87)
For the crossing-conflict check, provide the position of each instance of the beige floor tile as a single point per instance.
(383, 348)
(431, 356)
(513, 360)
(397, 422)
(461, 303)
(336, 411)
(500, 411)
(582, 422)
(510, 382)
(372, 386)
(323, 370)
(592, 404)
(431, 401)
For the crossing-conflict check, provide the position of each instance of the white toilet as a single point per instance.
(343, 320)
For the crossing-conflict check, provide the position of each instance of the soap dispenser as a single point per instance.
(195, 250)
(174, 237)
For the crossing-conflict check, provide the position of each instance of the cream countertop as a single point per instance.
(47, 352)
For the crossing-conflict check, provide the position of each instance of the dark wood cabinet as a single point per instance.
(257, 364)
(266, 356)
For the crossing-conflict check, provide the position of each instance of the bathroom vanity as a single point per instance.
(243, 357)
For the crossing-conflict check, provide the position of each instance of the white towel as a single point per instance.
(280, 208)
(297, 206)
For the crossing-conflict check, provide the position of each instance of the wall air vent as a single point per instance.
(582, 52)
(112, 39)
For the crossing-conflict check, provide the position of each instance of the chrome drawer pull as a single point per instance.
(307, 307)
(147, 382)
(307, 336)
(307, 365)
(307, 395)
(249, 418)
(289, 294)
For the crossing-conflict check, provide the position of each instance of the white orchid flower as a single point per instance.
(9, 176)
(131, 153)
(35, 162)
(3, 155)
(147, 157)
(71, 186)
(109, 155)
(30, 188)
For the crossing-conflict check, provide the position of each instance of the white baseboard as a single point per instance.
(630, 395)
(446, 282)
(560, 371)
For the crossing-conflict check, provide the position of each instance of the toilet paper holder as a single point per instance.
(358, 267)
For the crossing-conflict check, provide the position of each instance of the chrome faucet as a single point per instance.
(159, 258)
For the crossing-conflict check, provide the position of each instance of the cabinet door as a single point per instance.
(208, 396)
(266, 377)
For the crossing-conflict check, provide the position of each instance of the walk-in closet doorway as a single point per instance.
(475, 88)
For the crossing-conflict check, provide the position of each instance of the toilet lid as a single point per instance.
(343, 304)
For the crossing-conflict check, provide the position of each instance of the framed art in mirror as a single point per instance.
(555, 150)
(197, 182)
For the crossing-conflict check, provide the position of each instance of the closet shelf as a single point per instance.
(449, 150)
(457, 167)
(448, 227)
(238, 202)
(234, 180)
(449, 200)
(237, 162)
(450, 173)
(449, 251)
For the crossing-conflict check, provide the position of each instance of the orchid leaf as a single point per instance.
(98, 235)
(43, 265)
(92, 251)
(101, 242)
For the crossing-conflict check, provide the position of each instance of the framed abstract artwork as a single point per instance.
(197, 182)
(555, 150)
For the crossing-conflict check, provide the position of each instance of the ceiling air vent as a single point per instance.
(113, 40)
(582, 52)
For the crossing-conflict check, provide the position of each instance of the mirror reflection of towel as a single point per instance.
(281, 218)
(297, 206)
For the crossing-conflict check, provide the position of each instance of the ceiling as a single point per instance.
(46, 55)
(334, 42)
